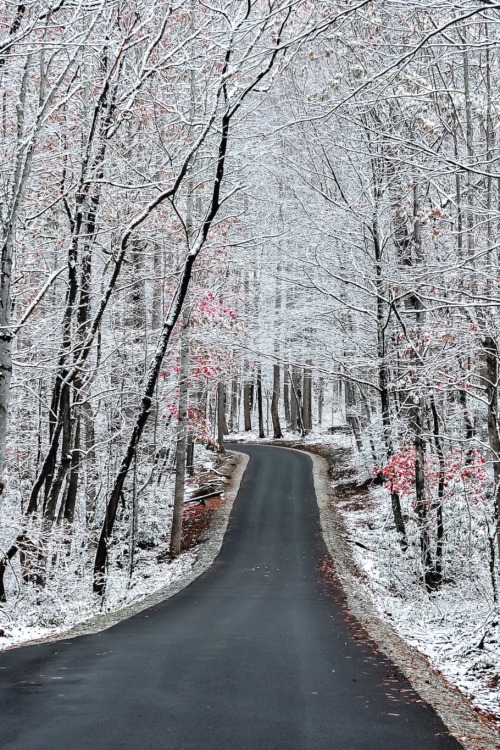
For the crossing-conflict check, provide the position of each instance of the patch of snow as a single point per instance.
(67, 599)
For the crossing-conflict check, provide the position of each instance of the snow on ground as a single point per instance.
(33, 617)
(67, 599)
(341, 436)
(458, 627)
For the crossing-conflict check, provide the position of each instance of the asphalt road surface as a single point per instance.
(257, 654)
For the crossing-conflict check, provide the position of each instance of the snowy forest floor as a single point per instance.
(67, 607)
(455, 629)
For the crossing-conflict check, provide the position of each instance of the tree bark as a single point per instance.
(233, 413)
(491, 366)
(247, 404)
(438, 505)
(286, 396)
(190, 455)
(321, 399)
(428, 568)
(294, 399)
(307, 398)
(262, 433)
(221, 415)
(275, 403)
(69, 503)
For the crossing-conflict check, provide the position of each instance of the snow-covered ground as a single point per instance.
(33, 617)
(67, 600)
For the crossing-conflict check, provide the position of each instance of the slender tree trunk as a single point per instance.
(286, 396)
(428, 568)
(221, 415)
(157, 290)
(275, 399)
(4, 563)
(275, 403)
(233, 413)
(468, 422)
(182, 419)
(247, 404)
(469, 214)
(295, 398)
(5, 351)
(307, 398)
(491, 352)
(321, 399)
(134, 518)
(53, 488)
(190, 455)
(296, 402)
(7, 239)
(262, 433)
(438, 505)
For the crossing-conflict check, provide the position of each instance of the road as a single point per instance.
(257, 654)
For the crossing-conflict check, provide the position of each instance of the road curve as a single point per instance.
(256, 654)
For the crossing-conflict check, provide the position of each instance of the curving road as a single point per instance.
(256, 654)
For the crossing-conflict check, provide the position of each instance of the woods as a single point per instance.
(263, 219)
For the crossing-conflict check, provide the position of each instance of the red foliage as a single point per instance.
(462, 473)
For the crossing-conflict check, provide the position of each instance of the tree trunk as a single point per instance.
(190, 455)
(321, 399)
(491, 365)
(438, 505)
(157, 289)
(286, 396)
(5, 352)
(296, 402)
(262, 433)
(4, 562)
(221, 415)
(69, 504)
(275, 403)
(294, 399)
(307, 399)
(233, 413)
(247, 405)
(428, 568)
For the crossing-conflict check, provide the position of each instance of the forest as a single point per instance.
(250, 219)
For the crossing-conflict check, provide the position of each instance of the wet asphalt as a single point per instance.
(259, 653)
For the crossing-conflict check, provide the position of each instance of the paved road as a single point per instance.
(257, 654)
